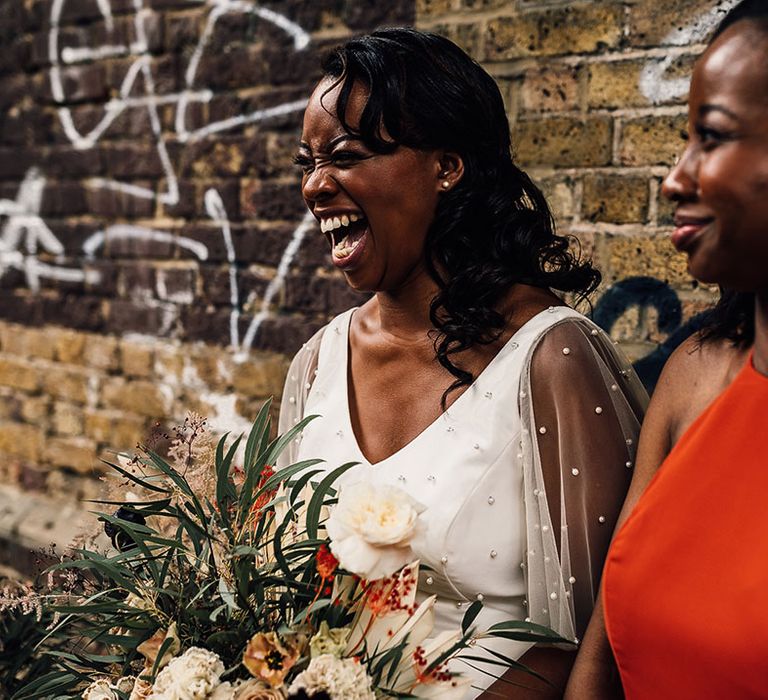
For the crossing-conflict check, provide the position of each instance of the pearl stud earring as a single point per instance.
(445, 184)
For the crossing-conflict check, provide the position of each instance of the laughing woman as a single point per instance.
(465, 379)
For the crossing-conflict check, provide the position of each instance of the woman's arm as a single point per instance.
(594, 673)
(582, 423)
(553, 664)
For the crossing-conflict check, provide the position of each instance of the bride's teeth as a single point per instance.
(354, 217)
(336, 222)
(345, 220)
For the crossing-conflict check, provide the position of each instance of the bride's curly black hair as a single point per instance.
(494, 228)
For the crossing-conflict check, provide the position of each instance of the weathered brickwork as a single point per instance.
(154, 256)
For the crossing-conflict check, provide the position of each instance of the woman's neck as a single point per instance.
(404, 313)
(761, 333)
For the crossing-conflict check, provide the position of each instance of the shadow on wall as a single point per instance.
(648, 293)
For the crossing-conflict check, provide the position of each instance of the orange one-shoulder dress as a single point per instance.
(685, 587)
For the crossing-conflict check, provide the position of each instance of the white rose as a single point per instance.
(223, 691)
(340, 678)
(254, 689)
(371, 529)
(191, 676)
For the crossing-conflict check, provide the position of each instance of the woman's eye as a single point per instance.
(346, 157)
(304, 162)
(709, 138)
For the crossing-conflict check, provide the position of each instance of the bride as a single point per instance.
(465, 379)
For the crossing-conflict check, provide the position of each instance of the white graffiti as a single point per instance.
(127, 232)
(654, 84)
(25, 234)
(279, 279)
(142, 68)
(140, 73)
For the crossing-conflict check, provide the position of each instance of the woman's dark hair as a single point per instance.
(494, 228)
(751, 10)
(733, 317)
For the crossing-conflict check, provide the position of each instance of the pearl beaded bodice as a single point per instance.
(523, 477)
(466, 468)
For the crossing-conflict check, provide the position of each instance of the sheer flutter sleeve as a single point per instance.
(298, 382)
(581, 406)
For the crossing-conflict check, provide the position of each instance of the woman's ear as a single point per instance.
(451, 170)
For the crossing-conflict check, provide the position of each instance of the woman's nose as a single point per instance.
(682, 182)
(318, 184)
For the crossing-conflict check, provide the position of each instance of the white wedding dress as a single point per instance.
(523, 476)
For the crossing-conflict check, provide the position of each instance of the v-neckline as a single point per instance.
(449, 413)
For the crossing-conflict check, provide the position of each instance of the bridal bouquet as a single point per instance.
(240, 582)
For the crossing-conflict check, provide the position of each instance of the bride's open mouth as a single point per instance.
(347, 234)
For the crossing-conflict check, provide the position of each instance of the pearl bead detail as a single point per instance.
(575, 471)
(491, 500)
(614, 387)
(542, 430)
(598, 410)
(553, 595)
(292, 400)
(628, 465)
(480, 597)
(429, 580)
(445, 184)
(594, 331)
(444, 559)
(494, 554)
(601, 519)
(566, 351)
(545, 528)
(572, 579)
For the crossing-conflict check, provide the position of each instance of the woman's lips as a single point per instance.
(687, 230)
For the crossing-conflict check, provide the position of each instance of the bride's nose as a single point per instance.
(318, 185)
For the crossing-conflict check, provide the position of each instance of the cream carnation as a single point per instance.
(371, 529)
(342, 679)
(104, 689)
(101, 689)
(191, 676)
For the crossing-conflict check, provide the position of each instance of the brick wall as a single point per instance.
(154, 255)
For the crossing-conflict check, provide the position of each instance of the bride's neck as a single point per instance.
(405, 311)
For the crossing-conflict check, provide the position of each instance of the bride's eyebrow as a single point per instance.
(333, 142)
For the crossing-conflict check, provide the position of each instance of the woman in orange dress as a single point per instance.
(684, 584)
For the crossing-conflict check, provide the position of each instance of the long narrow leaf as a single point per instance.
(318, 497)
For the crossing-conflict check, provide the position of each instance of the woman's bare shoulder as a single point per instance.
(694, 364)
(694, 375)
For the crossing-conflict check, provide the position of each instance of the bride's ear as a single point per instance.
(451, 170)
